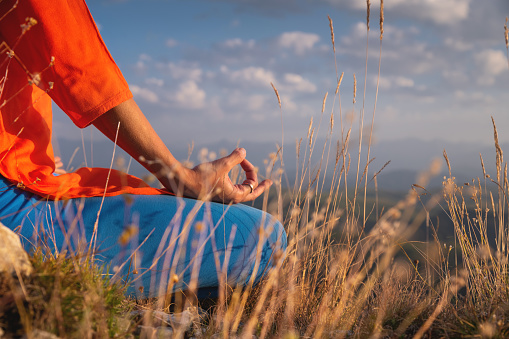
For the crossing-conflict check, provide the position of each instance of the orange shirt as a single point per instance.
(51, 49)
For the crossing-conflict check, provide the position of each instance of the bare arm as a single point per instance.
(209, 180)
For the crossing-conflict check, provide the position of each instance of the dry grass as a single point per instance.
(337, 279)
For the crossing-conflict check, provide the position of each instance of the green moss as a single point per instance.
(65, 295)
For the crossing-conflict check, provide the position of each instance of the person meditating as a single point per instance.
(170, 237)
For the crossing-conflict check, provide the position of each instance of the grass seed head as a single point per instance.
(500, 154)
(324, 100)
(482, 164)
(506, 32)
(487, 330)
(447, 161)
(128, 233)
(368, 11)
(338, 151)
(381, 19)
(277, 94)
(297, 146)
(354, 87)
(332, 34)
(199, 226)
(29, 23)
(339, 82)
(310, 125)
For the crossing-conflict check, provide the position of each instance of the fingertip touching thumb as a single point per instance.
(239, 152)
(236, 157)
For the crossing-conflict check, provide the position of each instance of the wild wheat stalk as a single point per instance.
(506, 34)
(361, 113)
(368, 12)
(376, 99)
(324, 100)
(354, 88)
(332, 34)
(280, 212)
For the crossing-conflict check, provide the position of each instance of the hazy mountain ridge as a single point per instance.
(408, 157)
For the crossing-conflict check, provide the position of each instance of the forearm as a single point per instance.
(137, 137)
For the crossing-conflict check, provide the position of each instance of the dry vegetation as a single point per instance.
(337, 279)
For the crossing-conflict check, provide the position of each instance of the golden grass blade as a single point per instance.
(368, 12)
(354, 87)
(277, 94)
(324, 100)
(506, 34)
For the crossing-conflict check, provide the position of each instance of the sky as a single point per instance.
(201, 71)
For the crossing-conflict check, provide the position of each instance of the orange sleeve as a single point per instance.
(86, 80)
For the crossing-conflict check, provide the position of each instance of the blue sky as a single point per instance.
(201, 70)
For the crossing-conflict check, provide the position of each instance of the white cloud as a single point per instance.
(392, 33)
(255, 102)
(236, 43)
(427, 99)
(458, 45)
(404, 51)
(459, 94)
(182, 71)
(476, 96)
(403, 82)
(383, 82)
(455, 76)
(491, 63)
(439, 11)
(295, 82)
(144, 94)
(155, 81)
(189, 95)
(258, 76)
(145, 57)
(240, 102)
(141, 64)
(444, 12)
(300, 42)
(393, 81)
(171, 43)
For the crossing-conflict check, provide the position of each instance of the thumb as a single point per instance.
(236, 157)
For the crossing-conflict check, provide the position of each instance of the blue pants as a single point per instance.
(167, 242)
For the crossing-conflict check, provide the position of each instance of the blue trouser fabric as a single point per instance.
(162, 238)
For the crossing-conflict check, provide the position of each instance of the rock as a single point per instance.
(38, 334)
(183, 319)
(13, 258)
(155, 332)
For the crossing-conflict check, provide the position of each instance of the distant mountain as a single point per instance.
(408, 157)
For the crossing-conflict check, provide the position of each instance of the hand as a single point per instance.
(210, 181)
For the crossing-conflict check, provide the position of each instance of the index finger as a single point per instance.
(250, 170)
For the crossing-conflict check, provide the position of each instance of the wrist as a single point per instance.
(178, 178)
